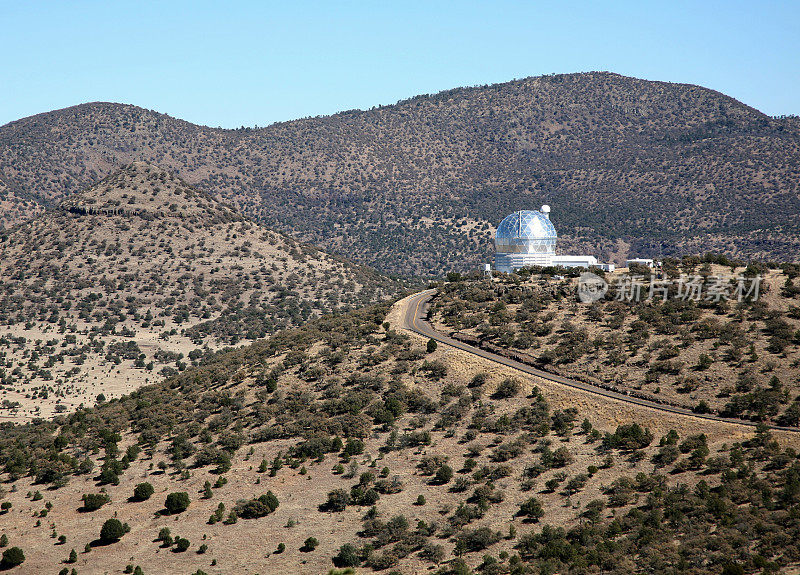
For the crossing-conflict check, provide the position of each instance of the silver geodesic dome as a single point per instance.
(526, 232)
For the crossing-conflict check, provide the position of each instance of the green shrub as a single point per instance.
(436, 369)
(309, 544)
(478, 380)
(532, 509)
(704, 362)
(12, 557)
(181, 544)
(561, 457)
(552, 483)
(702, 407)
(476, 540)
(347, 557)
(255, 508)
(109, 475)
(338, 500)
(177, 502)
(353, 447)
(628, 438)
(443, 475)
(509, 387)
(232, 518)
(732, 569)
(112, 531)
(94, 501)
(143, 491)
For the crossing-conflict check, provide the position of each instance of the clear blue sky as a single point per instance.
(253, 63)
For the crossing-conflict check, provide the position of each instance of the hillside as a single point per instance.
(630, 167)
(738, 359)
(346, 443)
(136, 277)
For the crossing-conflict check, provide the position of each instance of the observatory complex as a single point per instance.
(528, 238)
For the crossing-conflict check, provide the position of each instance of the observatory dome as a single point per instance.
(526, 232)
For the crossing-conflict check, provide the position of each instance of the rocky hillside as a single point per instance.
(346, 444)
(630, 167)
(134, 278)
(710, 354)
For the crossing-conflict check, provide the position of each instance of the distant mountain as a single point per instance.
(630, 167)
(137, 276)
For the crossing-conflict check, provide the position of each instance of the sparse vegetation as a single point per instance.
(729, 358)
(122, 266)
(573, 492)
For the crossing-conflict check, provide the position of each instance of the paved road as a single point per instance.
(413, 318)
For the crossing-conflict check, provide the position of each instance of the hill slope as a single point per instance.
(728, 357)
(629, 166)
(393, 460)
(127, 281)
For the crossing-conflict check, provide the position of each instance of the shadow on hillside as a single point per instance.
(101, 543)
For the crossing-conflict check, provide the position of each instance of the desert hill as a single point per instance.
(630, 167)
(345, 443)
(141, 191)
(728, 357)
(135, 277)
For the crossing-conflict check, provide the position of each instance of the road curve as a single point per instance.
(413, 318)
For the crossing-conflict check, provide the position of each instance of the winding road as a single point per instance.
(414, 316)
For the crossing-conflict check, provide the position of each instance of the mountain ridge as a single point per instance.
(416, 187)
(399, 102)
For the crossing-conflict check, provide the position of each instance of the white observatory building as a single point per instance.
(528, 238)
